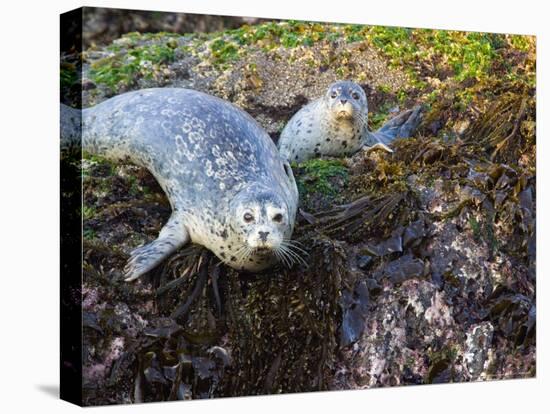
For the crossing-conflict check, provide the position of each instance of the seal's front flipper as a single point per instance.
(172, 236)
(402, 126)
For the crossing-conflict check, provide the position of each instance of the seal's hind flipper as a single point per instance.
(413, 120)
(143, 259)
(401, 126)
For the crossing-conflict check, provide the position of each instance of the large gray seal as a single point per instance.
(228, 187)
(336, 125)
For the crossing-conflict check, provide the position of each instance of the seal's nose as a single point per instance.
(343, 101)
(263, 235)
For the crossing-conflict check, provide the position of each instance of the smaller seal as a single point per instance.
(336, 125)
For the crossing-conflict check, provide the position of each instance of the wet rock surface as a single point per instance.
(421, 263)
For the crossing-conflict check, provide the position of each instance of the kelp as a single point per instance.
(277, 319)
(506, 128)
(348, 218)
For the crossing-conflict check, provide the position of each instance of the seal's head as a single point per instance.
(346, 100)
(261, 224)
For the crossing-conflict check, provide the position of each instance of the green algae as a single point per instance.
(317, 175)
(88, 212)
(288, 34)
(224, 51)
(121, 68)
(68, 75)
(89, 234)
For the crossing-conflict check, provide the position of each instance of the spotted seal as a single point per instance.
(336, 125)
(228, 187)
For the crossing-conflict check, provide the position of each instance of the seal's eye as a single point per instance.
(333, 94)
(248, 217)
(278, 217)
(355, 95)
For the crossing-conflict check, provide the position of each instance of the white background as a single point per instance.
(29, 212)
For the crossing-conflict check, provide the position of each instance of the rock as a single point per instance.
(478, 347)
(355, 306)
(102, 25)
(88, 85)
(374, 287)
(388, 246)
(402, 269)
(414, 232)
(364, 261)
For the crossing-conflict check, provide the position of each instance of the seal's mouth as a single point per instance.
(263, 250)
(344, 114)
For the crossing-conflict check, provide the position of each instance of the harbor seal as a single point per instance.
(336, 125)
(228, 187)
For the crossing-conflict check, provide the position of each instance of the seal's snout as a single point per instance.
(263, 235)
(345, 111)
(343, 101)
(264, 239)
